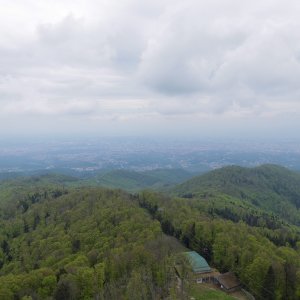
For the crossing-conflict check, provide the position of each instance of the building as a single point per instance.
(199, 270)
(202, 272)
(228, 282)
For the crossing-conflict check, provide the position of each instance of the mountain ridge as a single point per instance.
(269, 187)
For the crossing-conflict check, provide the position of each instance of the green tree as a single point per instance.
(269, 285)
(136, 288)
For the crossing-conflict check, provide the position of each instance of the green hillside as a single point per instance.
(123, 179)
(266, 260)
(134, 181)
(169, 176)
(86, 243)
(269, 187)
(61, 238)
(34, 187)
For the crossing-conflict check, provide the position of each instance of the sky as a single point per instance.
(160, 67)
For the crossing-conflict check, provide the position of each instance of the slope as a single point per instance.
(133, 181)
(269, 187)
(83, 243)
(17, 190)
(266, 261)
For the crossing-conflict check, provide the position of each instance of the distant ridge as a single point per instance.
(270, 187)
(132, 180)
(128, 180)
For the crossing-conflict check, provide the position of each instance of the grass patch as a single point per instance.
(203, 293)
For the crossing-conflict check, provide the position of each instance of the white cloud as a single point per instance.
(149, 60)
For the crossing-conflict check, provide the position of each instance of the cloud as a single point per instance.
(150, 60)
(201, 50)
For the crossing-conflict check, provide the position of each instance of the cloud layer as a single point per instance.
(94, 61)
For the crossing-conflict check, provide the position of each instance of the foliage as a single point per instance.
(80, 244)
(269, 187)
(61, 240)
(133, 181)
(229, 246)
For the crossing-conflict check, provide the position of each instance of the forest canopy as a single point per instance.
(61, 240)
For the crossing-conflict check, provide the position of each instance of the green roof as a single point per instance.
(198, 263)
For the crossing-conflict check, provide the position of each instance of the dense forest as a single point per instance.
(82, 244)
(63, 238)
(269, 187)
(267, 261)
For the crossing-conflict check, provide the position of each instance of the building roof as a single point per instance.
(228, 280)
(198, 263)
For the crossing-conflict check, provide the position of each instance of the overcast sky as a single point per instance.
(132, 67)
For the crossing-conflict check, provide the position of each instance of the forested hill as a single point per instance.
(128, 180)
(133, 181)
(269, 187)
(14, 190)
(60, 239)
(81, 243)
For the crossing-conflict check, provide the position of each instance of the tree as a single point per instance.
(136, 288)
(66, 289)
(48, 286)
(269, 285)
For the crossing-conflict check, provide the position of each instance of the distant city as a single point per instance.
(141, 154)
